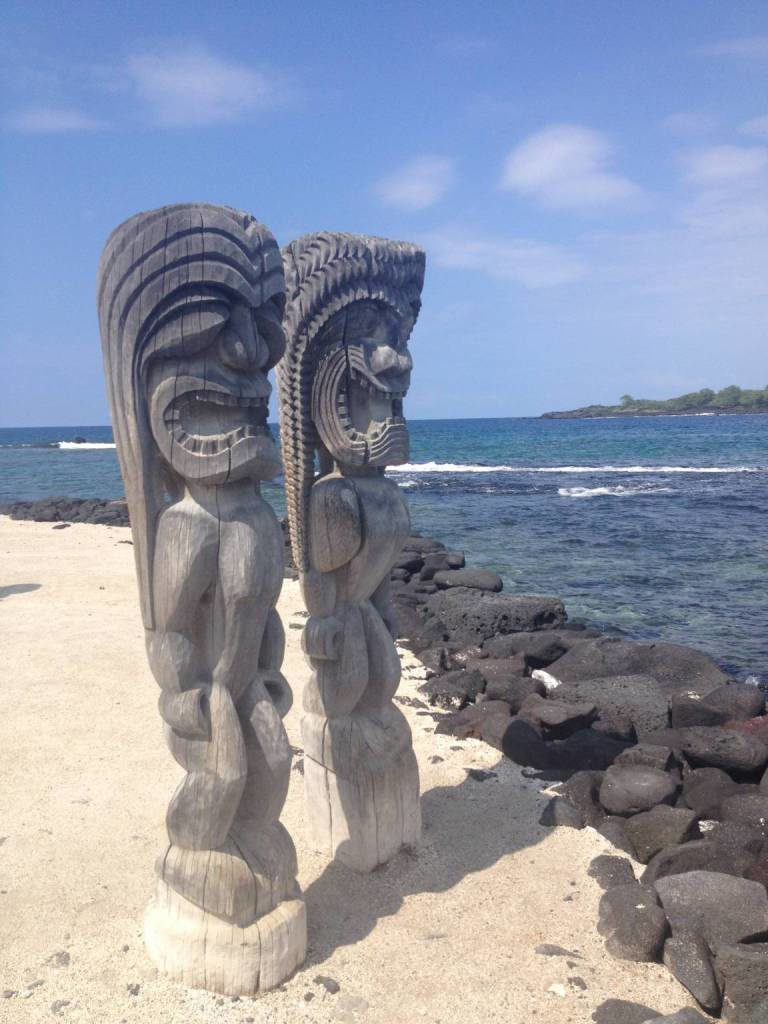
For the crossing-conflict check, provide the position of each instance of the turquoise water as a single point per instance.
(655, 526)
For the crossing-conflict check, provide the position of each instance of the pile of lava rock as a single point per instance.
(651, 744)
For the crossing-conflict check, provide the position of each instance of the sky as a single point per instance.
(589, 179)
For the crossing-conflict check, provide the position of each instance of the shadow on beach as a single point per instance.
(466, 829)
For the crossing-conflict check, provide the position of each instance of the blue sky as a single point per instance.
(589, 179)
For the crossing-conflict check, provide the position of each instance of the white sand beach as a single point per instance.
(445, 934)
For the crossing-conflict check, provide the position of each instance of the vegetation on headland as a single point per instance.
(732, 399)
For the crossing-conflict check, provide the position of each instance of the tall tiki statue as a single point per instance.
(352, 302)
(191, 300)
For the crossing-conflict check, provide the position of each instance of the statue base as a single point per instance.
(200, 950)
(365, 820)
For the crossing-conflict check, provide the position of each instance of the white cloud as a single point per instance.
(566, 165)
(522, 261)
(417, 184)
(195, 87)
(52, 121)
(753, 47)
(758, 126)
(689, 122)
(725, 163)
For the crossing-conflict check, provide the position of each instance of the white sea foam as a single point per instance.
(617, 492)
(455, 467)
(79, 446)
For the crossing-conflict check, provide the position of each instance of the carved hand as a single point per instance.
(322, 638)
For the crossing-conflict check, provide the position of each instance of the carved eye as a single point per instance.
(268, 325)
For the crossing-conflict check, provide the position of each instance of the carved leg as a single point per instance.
(361, 783)
(231, 919)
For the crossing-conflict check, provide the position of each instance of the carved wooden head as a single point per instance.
(191, 299)
(361, 379)
(352, 303)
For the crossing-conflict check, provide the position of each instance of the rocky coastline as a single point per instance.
(651, 744)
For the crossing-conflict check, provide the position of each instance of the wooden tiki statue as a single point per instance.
(352, 302)
(191, 301)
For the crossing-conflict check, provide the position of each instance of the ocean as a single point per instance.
(655, 527)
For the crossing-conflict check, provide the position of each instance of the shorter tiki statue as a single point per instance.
(191, 300)
(352, 302)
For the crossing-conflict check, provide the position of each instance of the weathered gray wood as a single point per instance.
(353, 302)
(190, 303)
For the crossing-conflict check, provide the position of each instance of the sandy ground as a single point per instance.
(447, 934)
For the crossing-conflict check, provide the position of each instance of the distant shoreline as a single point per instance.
(581, 414)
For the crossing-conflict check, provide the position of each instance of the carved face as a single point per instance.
(208, 406)
(360, 383)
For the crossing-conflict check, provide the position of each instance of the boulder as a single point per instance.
(559, 812)
(498, 670)
(470, 721)
(742, 971)
(747, 809)
(523, 745)
(473, 616)
(582, 790)
(687, 709)
(439, 659)
(633, 788)
(650, 756)
(735, 837)
(756, 728)
(687, 957)
(662, 826)
(614, 829)
(410, 561)
(715, 747)
(702, 855)
(705, 789)
(675, 668)
(436, 561)
(554, 719)
(539, 649)
(585, 750)
(632, 922)
(737, 700)
(462, 657)
(453, 689)
(721, 909)
(514, 691)
(609, 871)
(639, 700)
(475, 579)
(422, 544)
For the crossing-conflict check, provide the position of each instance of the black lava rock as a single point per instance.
(687, 957)
(742, 971)
(633, 788)
(639, 700)
(721, 909)
(705, 789)
(582, 790)
(560, 812)
(473, 616)
(609, 871)
(739, 701)
(677, 669)
(698, 855)
(453, 689)
(475, 579)
(658, 828)
(632, 923)
(715, 747)
(686, 709)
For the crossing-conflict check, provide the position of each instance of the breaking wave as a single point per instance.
(616, 492)
(78, 446)
(455, 467)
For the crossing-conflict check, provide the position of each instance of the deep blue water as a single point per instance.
(656, 526)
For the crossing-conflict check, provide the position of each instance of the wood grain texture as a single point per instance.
(190, 303)
(353, 301)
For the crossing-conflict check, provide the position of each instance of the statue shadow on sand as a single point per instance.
(18, 588)
(466, 828)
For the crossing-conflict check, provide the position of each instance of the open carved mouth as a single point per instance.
(384, 408)
(208, 422)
